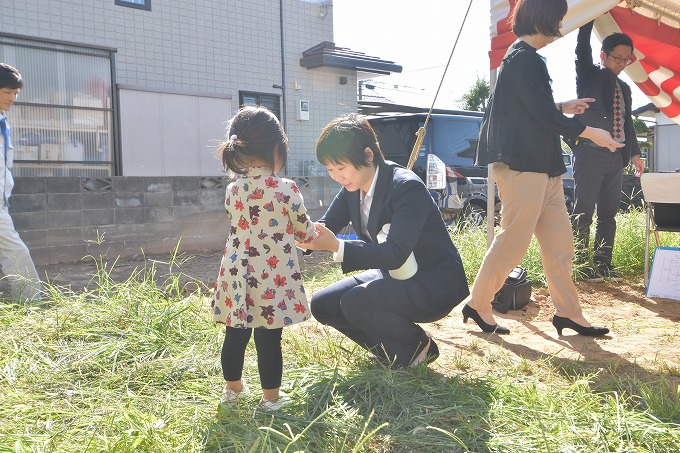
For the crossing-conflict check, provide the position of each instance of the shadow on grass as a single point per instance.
(367, 408)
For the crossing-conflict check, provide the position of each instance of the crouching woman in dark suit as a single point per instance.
(413, 272)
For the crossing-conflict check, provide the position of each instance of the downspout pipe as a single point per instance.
(283, 74)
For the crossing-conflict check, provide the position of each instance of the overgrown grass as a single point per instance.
(134, 367)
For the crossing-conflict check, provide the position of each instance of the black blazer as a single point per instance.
(521, 125)
(596, 81)
(402, 200)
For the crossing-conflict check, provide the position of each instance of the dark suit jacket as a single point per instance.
(595, 81)
(402, 200)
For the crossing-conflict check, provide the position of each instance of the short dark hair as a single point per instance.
(538, 16)
(254, 134)
(616, 39)
(10, 77)
(345, 138)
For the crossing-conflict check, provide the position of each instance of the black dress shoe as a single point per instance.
(469, 312)
(594, 331)
(430, 356)
(432, 352)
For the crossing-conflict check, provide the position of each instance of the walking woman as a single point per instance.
(520, 140)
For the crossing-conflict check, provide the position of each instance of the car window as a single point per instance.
(396, 137)
(454, 139)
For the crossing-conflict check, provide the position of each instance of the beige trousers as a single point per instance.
(532, 204)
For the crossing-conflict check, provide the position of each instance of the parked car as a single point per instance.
(451, 191)
(452, 139)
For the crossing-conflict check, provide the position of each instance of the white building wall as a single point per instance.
(168, 134)
(216, 48)
(327, 99)
(667, 146)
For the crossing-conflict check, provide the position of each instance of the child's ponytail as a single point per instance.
(255, 136)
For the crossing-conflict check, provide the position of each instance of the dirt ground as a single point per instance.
(645, 333)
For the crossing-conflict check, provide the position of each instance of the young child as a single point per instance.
(259, 286)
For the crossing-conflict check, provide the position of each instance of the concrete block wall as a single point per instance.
(63, 219)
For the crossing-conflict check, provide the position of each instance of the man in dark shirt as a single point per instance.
(598, 172)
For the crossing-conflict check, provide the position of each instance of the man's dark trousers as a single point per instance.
(598, 178)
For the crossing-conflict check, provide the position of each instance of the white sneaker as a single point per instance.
(272, 406)
(230, 396)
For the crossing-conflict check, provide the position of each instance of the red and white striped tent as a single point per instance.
(654, 26)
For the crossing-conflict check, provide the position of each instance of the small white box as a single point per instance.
(303, 110)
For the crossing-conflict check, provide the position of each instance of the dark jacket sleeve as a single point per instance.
(337, 215)
(534, 92)
(585, 67)
(407, 208)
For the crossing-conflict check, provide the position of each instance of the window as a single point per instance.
(140, 4)
(270, 101)
(62, 121)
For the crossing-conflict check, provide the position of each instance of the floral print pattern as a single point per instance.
(259, 283)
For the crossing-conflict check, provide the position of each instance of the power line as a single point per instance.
(369, 82)
(399, 89)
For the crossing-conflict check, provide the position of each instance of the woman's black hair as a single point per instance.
(254, 135)
(345, 139)
(538, 16)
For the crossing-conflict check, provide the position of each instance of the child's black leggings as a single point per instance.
(269, 356)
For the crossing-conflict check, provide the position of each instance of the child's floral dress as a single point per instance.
(260, 284)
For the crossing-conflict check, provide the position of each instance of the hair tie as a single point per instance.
(233, 137)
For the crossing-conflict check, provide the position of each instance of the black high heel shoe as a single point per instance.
(594, 331)
(469, 312)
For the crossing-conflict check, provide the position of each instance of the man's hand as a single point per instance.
(638, 164)
(325, 240)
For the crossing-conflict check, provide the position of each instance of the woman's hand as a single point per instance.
(325, 240)
(576, 106)
(601, 138)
